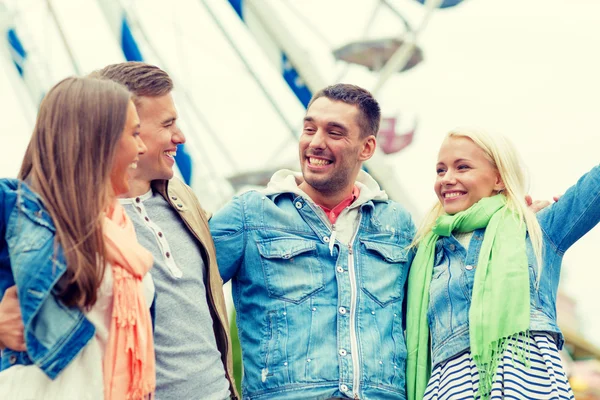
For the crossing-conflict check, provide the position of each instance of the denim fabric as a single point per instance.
(54, 333)
(303, 306)
(562, 223)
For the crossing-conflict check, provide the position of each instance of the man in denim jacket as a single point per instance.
(319, 262)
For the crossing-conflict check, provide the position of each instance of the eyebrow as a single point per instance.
(331, 124)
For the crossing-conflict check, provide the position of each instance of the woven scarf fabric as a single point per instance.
(129, 369)
(500, 301)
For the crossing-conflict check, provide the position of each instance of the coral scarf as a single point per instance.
(129, 371)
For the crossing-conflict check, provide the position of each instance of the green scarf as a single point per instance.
(499, 311)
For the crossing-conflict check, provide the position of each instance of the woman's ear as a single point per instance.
(499, 186)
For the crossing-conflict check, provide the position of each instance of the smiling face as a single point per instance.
(161, 135)
(331, 149)
(464, 175)
(129, 148)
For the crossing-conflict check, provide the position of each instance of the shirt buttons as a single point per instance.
(160, 234)
(343, 388)
(469, 267)
(137, 200)
(342, 310)
(298, 204)
(174, 197)
(147, 219)
(167, 254)
(342, 352)
(339, 269)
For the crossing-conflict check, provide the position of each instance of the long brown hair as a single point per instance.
(68, 163)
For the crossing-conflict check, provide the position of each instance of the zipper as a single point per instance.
(353, 298)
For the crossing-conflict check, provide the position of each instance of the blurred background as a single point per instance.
(244, 71)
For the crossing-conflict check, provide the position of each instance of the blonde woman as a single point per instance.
(482, 287)
(71, 251)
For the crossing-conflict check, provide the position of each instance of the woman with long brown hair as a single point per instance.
(69, 247)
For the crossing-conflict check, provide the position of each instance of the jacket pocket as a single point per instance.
(383, 269)
(292, 268)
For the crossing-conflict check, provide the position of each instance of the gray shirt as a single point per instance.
(188, 362)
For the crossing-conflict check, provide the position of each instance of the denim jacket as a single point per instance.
(54, 333)
(562, 223)
(319, 307)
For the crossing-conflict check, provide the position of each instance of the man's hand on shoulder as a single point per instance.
(11, 323)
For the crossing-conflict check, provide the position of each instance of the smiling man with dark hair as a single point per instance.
(318, 262)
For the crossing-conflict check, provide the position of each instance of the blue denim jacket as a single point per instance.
(317, 321)
(562, 223)
(54, 333)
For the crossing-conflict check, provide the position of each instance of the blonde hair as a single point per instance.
(503, 156)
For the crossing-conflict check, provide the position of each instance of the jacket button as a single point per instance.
(452, 247)
(342, 310)
(343, 352)
(344, 388)
(298, 204)
(339, 269)
(469, 267)
(326, 239)
(12, 359)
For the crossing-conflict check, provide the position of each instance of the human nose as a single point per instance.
(141, 145)
(177, 137)
(317, 141)
(449, 178)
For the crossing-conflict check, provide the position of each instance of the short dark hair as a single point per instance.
(140, 78)
(370, 113)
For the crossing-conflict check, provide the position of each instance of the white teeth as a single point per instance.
(171, 153)
(452, 194)
(318, 161)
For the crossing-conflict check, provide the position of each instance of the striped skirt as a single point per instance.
(457, 378)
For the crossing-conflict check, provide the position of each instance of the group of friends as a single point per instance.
(111, 272)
